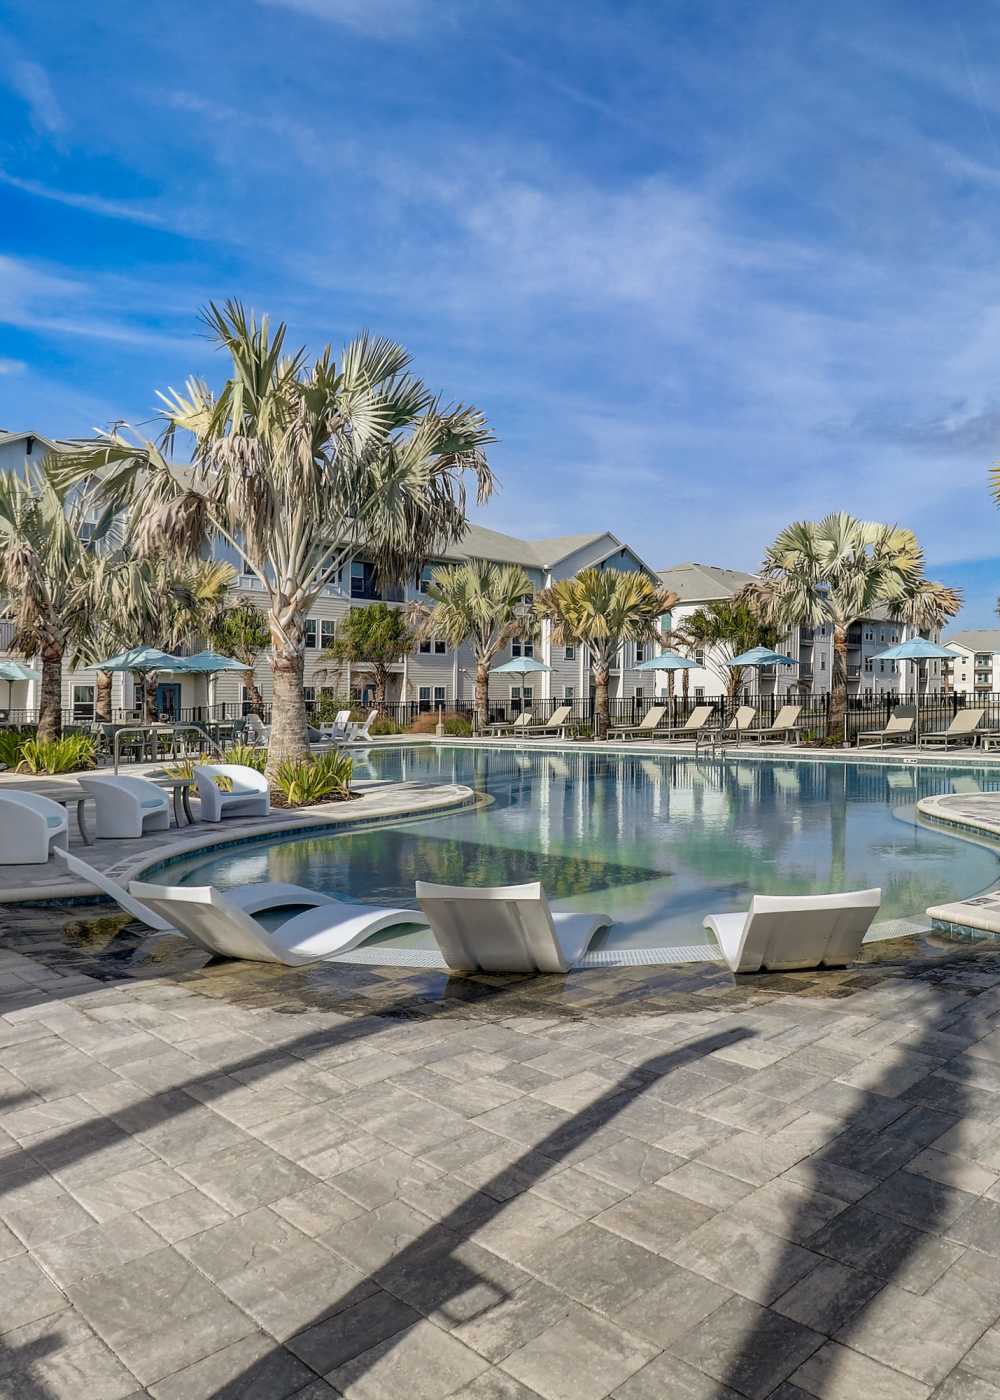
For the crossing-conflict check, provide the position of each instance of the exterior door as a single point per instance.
(168, 700)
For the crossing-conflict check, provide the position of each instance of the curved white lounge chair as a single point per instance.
(248, 797)
(127, 806)
(359, 732)
(30, 827)
(505, 929)
(783, 932)
(224, 923)
(339, 729)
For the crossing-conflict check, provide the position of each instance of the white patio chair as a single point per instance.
(257, 732)
(786, 723)
(31, 826)
(127, 806)
(961, 730)
(784, 932)
(898, 729)
(693, 726)
(646, 725)
(248, 797)
(505, 929)
(524, 721)
(357, 732)
(555, 724)
(338, 729)
(224, 924)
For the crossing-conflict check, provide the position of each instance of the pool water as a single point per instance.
(657, 843)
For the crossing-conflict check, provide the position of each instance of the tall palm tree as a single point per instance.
(723, 630)
(476, 602)
(838, 569)
(296, 468)
(601, 609)
(241, 631)
(49, 564)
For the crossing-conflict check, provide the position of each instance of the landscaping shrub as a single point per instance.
(301, 782)
(456, 725)
(247, 756)
(66, 755)
(385, 725)
(11, 744)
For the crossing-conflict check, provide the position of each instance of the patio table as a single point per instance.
(180, 789)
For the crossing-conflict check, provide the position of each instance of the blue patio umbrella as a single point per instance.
(520, 666)
(667, 661)
(916, 649)
(763, 656)
(11, 671)
(206, 663)
(139, 659)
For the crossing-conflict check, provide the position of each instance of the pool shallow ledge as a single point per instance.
(378, 803)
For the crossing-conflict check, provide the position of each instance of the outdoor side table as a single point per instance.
(181, 794)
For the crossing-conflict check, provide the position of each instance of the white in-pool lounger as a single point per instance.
(224, 923)
(508, 928)
(782, 933)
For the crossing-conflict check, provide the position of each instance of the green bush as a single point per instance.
(327, 708)
(457, 726)
(11, 743)
(66, 755)
(247, 756)
(385, 725)
(303, 782)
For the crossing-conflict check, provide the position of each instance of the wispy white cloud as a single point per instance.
(92, 203)
(31, 82)
(383, 19)
(8, 366)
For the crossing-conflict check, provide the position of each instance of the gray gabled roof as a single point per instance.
(976, 639)
(53, 444)
(703, 583)
(480, 543)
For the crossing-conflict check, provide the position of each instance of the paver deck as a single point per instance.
(235, 1180)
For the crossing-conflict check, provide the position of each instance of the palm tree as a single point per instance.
(376, 636)
(836, 570)
(721, 631)
(601, 609)
(296, 468)
(49, 567)
(241, 631)
(477, 602)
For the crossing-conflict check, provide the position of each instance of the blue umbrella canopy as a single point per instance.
(519, 666)
(16, 671)
(667, 661)
(208, 662)
(762, 656)
(917, 649)
(139, 659)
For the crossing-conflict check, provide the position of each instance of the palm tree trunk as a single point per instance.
(102, 697)
(482, 695)
(50, 694)
(252, 689)
(149, 683)
(289, 732)
(381, 680)
(685, 685)
(838, 685)
(601, 707)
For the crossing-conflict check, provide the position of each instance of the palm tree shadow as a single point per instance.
(873, 1203)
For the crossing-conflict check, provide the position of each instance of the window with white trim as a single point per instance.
(310, 634)
(83, 703)
(327, 632)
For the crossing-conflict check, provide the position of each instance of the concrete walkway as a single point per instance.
(238, 1181)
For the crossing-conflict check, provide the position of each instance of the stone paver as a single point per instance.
(246, 1181)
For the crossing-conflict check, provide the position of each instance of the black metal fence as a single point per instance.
(864, 712)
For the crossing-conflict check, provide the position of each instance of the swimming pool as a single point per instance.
(657, 842)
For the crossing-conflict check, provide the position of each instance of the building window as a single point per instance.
(522, 648)
(424, 578)
(83, 703)
(699, 692)
(881, 667)
(424, 698)
(638, 692)
(440, 648)
(640, 654)
(439, 696)
(310, 634)
(869, 636)
(309, 695)
(520, 697)
(363, 580)
(869, 667)
(569, 653)
(327, 633)
(699, 658)
(569, 692)
(425, 648)
(822, 661)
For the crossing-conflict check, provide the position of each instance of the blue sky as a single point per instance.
(709, 267)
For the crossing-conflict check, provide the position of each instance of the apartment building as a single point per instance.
(976, 668)
(700, 584)
(432, 675)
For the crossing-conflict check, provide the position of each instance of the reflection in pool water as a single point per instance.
(656, 842)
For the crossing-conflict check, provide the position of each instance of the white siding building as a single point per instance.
(976, 668)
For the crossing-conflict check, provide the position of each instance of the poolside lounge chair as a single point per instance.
(962, 729)
(899, 727)
(127, 806)
(248, 796)
(30, 827)
(257, 732)
(224, 923)
(741, 721)
(339, 729)
(356, 732)
(505, 929)
(556, 723)
(784, 932)
(646, 725)
(786, 723)
(692, 727)
(523, 721)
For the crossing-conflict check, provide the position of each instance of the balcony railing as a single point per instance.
(7, 630)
